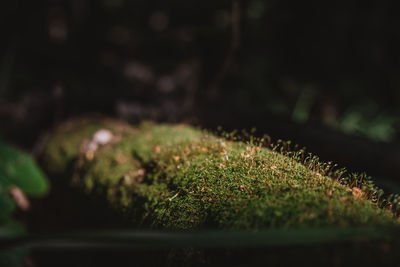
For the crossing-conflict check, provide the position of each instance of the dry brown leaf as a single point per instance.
(20, 198)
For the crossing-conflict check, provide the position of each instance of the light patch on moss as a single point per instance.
(63, 144)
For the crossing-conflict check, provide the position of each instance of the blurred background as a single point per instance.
(325, 75)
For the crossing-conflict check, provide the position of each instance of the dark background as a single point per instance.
(324, 74)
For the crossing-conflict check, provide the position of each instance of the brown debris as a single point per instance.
(357, 192)
(20, 198)
(120, 158)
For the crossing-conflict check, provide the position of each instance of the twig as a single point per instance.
(172, 198)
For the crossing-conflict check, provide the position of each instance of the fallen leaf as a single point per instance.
(19, 197)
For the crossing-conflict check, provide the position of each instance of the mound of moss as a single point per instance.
(178, 177)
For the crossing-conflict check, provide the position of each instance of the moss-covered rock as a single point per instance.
(179, 177)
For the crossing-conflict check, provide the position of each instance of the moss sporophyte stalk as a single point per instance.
(177, 177)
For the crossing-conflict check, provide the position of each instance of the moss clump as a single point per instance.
(179, 177)
(62, 149)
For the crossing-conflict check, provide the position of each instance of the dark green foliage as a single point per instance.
(7, 205)
(17, 169)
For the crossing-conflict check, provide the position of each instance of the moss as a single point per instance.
(179, 177)
(62, 146)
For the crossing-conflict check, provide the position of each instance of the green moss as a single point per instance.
(179, 177)
(62, 146)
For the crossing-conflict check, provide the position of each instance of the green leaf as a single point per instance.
(19, 169)
(7, 205)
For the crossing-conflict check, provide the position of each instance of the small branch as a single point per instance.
(173, 197)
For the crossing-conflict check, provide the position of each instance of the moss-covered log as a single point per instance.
(179, 177)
